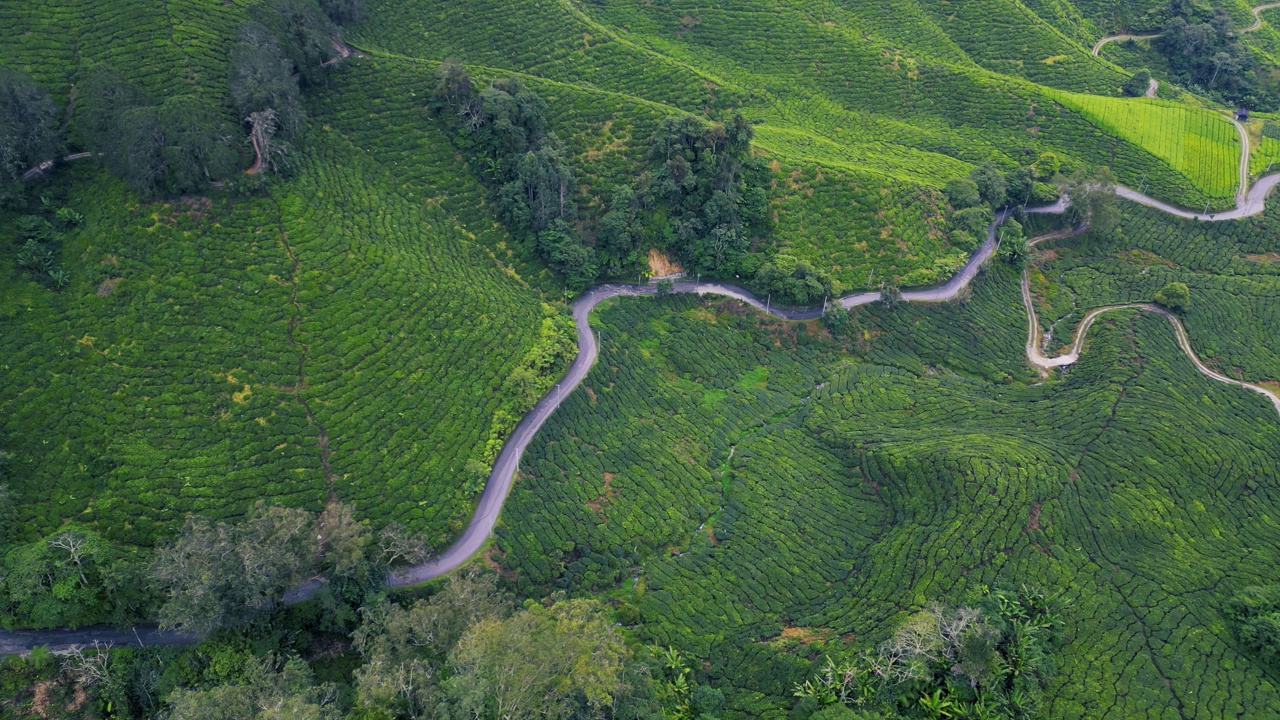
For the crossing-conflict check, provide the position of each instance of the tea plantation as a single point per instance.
(735, 503)
(1231, 268)
(207, 347)
(762, 496)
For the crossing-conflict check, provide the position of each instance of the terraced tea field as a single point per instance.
(1229, 266)
(336, 336)
(762, 496)
(1201, 144)
(756, 493)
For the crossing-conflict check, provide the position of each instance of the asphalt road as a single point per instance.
(482, 522)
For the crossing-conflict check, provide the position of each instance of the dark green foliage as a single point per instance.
(303, 33)
(28, 135)
(73, 577)
(991, 184)
(1254, 615)
(198, 144)
(176, 147)
(711, 190)
(261, 78)
(137, 155)
(794, 281)
(505, 127)
(963, 193)
(1174, 296)
(618, 240)
(103, 97)
(1210, 56)
(1137, 85)
(345, 12)
(1020, 186)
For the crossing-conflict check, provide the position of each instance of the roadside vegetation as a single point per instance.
(278, 278)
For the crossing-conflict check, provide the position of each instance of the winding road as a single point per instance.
(1097, 47)
(1257, 23)
(1249, 202)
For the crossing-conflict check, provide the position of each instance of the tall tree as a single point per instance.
(535, 663)
(28, 134)
(272, 690)
(198, 143)
(216, 576)
(405, 648)
(304, 34)
(261, 78)
(138, 155)
(345, 12)
(991, 184)
(102, 99)
(1092, 199)
(712, 188)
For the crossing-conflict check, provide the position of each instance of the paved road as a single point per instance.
(1257, 23)
(497, 487)
(1257, 17)
(1097, 47)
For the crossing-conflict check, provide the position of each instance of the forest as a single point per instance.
(280, 279)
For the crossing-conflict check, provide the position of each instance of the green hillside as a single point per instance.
(745, 483)
(354, 325)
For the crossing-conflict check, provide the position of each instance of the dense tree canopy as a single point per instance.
(712, 189)
(261, 78)
(1175, 296)
(28, 135)
(505, 125)
(1092, 196)
(1207, 54)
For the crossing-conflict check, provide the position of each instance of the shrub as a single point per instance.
(1175, 296)
(962, 193)
(1137, 85)
(1254, 616)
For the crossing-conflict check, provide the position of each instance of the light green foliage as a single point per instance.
(1254, 614)
(73, 577)
(215, 576)
(989, 659)
(1174, 296)
(271, 689)
(1201, 144)
(795, 281)
(536, 662)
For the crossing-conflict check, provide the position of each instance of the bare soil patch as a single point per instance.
(661, 264)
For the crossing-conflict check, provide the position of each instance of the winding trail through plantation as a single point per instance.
(1249, 201)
